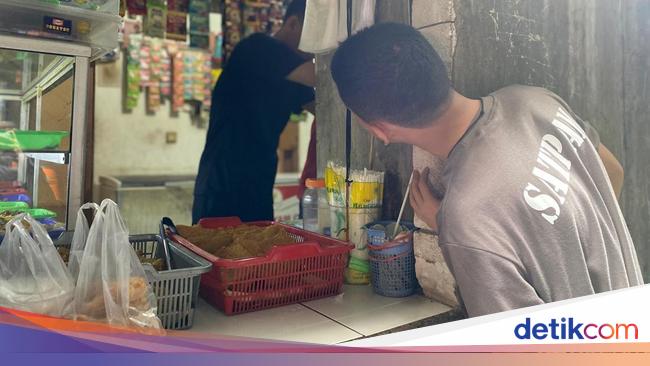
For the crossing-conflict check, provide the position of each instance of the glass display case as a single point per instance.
(43, 103)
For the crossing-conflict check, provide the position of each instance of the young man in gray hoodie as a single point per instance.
(530, 212)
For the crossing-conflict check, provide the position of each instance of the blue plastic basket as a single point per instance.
(15, 198)
(377, 237)
(392, 263)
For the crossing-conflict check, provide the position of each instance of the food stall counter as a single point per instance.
(355, 313)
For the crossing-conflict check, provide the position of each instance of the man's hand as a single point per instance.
(613, 168)
(424, 203)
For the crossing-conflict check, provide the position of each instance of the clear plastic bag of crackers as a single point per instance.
(112, 286)
(33, 276)
(79, 239)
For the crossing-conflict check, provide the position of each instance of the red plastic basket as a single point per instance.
(310, 269)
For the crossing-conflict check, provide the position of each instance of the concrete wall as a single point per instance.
(593, 53)
(134, 143)
(435, 20)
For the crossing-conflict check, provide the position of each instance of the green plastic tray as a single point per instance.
(31, 140)
(41, 213)
(11, 206)
(37, 213)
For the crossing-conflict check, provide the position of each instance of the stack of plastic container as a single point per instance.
(363, 206)
(392, 260)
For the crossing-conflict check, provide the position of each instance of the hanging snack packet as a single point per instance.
(156, 20)
(177, 25)
(136, 7)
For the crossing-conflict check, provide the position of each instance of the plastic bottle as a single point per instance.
(315, 210)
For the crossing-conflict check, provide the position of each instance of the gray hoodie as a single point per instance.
(529, 215)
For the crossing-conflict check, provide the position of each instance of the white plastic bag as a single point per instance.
(112, 286)
(33, 276)
(79, 239)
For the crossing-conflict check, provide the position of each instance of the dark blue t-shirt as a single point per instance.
(251, 105)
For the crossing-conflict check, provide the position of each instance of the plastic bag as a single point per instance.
(112, 286)
(33, 276)
(79, 239)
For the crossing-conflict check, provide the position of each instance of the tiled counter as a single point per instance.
(355, 313)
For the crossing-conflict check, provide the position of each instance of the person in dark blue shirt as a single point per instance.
(265, 80)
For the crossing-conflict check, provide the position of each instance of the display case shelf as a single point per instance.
(52, 157)
(36, 18)
(44, 87)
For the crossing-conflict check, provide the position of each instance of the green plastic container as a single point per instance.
(31, 140)
(13, 206)
(37, 213)
(359, 265)
(358, 272)
(41, 213)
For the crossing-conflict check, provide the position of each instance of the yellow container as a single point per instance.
(366, 194)
(354, 277)
(362, 194)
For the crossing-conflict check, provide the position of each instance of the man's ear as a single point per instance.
(379, 129)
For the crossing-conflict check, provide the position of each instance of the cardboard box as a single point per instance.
(288, 149)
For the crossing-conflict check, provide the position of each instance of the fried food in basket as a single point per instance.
(236, 251)
(157, 263)
(243, 241)
(206, 239)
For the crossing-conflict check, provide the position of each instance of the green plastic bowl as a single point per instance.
(31, 140)
(37, 213)
(359, 265)
(12, 206)
(41, 213)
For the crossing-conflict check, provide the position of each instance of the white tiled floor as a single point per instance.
(368, 313)
(291, 323)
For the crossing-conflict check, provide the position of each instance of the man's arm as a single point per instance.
(304, 74)
(613, 168)
(488, 283)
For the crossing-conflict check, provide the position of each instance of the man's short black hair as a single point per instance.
(390, 72)
(297, 8)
